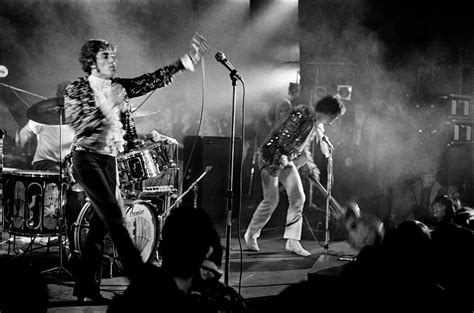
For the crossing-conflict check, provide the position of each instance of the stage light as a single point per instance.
(344, 91)
(320, 91)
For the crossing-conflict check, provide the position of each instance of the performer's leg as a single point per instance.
(291, 180)
(264, 210)
(89, 272)
(97, 175)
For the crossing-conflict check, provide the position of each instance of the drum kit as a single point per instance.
(34, 204)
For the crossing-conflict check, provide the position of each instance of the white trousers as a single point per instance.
(291, 181)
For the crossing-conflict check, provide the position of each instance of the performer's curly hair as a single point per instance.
(89, 50)
(330, 105)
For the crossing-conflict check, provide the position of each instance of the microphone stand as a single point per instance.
(328, 198)
(230, 179)
(60, 268)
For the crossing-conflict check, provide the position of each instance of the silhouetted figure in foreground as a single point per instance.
(22, 288)
(188, 279)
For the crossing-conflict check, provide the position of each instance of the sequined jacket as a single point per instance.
(88, 121)
(289, 140)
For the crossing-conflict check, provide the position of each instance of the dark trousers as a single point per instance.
(96, 173)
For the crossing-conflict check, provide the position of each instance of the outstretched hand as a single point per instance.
(157, 137)
(197, 47)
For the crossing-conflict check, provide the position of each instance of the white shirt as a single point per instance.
(113, 133)
(47, 140)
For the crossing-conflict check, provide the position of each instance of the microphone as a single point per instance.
(3, 71)
(326, 140)
(220, 57)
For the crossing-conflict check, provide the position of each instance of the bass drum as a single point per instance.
(142, 223)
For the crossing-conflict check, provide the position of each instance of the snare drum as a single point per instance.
(142, 223)
(32, 202)
(136, 165)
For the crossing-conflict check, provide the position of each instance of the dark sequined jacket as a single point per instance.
(88, 121)
(289, 140)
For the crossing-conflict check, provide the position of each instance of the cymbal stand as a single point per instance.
(60, 269)
(207, 170)
(3, 132)
(24, 91)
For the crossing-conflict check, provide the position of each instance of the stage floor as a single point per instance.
(258, 276)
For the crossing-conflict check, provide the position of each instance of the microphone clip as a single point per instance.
(234, 75)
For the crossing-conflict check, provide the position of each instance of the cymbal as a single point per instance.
(46, 111)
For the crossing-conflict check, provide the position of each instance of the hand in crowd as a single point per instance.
(197, 47)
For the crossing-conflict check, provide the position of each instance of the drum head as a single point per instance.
(143, 227)
(141, 222)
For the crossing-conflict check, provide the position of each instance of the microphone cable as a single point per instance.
(190, 154)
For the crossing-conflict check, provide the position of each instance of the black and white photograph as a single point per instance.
(238, 156)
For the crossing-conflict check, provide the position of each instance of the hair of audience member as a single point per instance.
(409, 246)
(449, 203)
(188, 234)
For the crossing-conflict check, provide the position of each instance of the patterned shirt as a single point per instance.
(291, 138)
(93, 129)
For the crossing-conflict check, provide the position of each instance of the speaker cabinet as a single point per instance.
(200, 152)
(460, 163)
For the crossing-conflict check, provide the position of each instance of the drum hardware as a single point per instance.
(51, 106)
(142, 222)
(24, 91)
(3, 132)
(29, 248)
(159, 189)
(191, 187)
